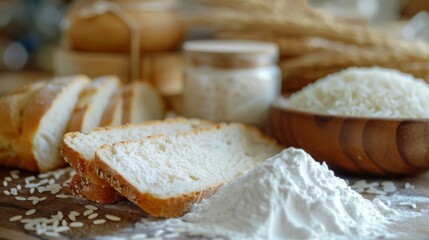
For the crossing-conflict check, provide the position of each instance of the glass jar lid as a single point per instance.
(231, 53)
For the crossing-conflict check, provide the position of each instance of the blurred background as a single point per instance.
(30, 30)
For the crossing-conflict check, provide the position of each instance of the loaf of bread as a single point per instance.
(79, 149)
(93, 101)
(166, 175)
(35, 118)
(12, 107)
(45, 121)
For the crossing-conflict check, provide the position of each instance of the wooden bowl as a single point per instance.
(361, 146)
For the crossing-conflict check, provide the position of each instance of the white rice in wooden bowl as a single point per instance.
(364, 92)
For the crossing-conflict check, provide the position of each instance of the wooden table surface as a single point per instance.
(133, 220)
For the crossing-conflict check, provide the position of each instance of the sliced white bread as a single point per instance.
(45, 121)
(83, 187)
(93, 101)
(11, 113)
(142, 102)
(166, 175)
(113, 114)
(79, 149)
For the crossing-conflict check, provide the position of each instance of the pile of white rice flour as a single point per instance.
(289, 196)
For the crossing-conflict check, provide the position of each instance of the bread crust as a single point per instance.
(11, 125)
(83, 187)
(11, 111)
(153, 205)
(33, 116)
(11, 159)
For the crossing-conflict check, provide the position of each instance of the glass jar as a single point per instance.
(230, 81)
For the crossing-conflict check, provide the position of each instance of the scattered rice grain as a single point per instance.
(88, 212)
(15, 218)
(29, 226)
(61, 229)
(30, 212)
(405, 203)
(99, 221)
(4, 183)
(20, 198)
(52, 234)
(60, 215)
(76, 224)
(158, 233)
(27, 220)
(375, 191)
(29, 179)
(91, 207)
(113, 218)
(19, 187)
(75, 213)
(40, 230)
(9, 179)
(55, 191)
(44, 175)
(6, 192)
(387, 183)
(92, 216)
(72, 217)
(389, 188)
(171, 235)
(138, 236)
(61, 196)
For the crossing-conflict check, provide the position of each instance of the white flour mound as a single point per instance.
(290, 196)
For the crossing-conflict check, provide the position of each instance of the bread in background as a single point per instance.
(112, 116)
(142, 102)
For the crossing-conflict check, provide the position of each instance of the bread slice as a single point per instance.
(45, 121)
(11, 113)
(142, 102)
(112, 116)
(79, 149)
(166, 175)
(92, 103)
(83, 187)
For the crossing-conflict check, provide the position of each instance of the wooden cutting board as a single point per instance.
(134, 222)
